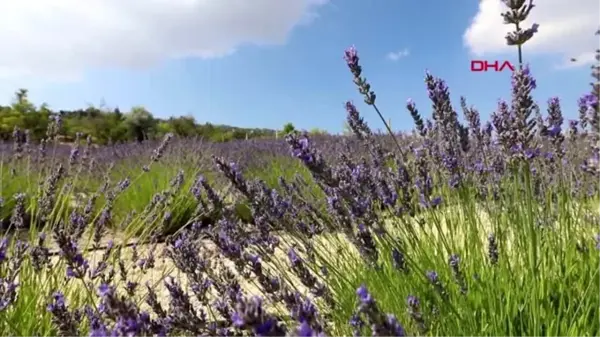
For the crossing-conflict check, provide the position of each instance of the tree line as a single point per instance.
(112, 125)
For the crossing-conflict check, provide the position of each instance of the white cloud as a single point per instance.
(566, 29)
(63, 38)
(395, 56)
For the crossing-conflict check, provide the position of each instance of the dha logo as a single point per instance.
(484, 66)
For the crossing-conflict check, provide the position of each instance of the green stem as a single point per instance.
(389, 129)
(519, 49)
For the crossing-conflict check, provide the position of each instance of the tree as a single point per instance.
(288, 127)
(107, 125)
(184, 126)
(163, 127)
(141, 123)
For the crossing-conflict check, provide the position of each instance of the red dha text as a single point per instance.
(482, 65)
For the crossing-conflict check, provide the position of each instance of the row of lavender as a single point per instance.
(537, 180)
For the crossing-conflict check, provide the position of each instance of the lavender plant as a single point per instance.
(481, 228)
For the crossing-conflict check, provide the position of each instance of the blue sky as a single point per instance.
(302, 78)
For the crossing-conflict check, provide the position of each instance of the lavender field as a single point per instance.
(458, 228)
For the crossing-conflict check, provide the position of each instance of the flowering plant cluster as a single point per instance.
(474, 228)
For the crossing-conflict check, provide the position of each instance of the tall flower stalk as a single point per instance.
(518, 12)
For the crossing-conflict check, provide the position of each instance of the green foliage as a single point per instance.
(288, 127)
(523, 294)
(317, 132)
(111, 125)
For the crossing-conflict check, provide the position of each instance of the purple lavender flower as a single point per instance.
(312, 159)
(40, 254)
(18, 215)
(8, 293)
(250, 315)
(77, 265)
(159, 151)
(3, 249)
(364, 296)
(454, 262)
(492, 249)
(65, 320)
(398, 260)
(356, 122)
(381, 324)
(434, 279)
(357, 325)
(414, 310)
(366, 245)
(306, 276)
(305, 330)
(414, 113)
